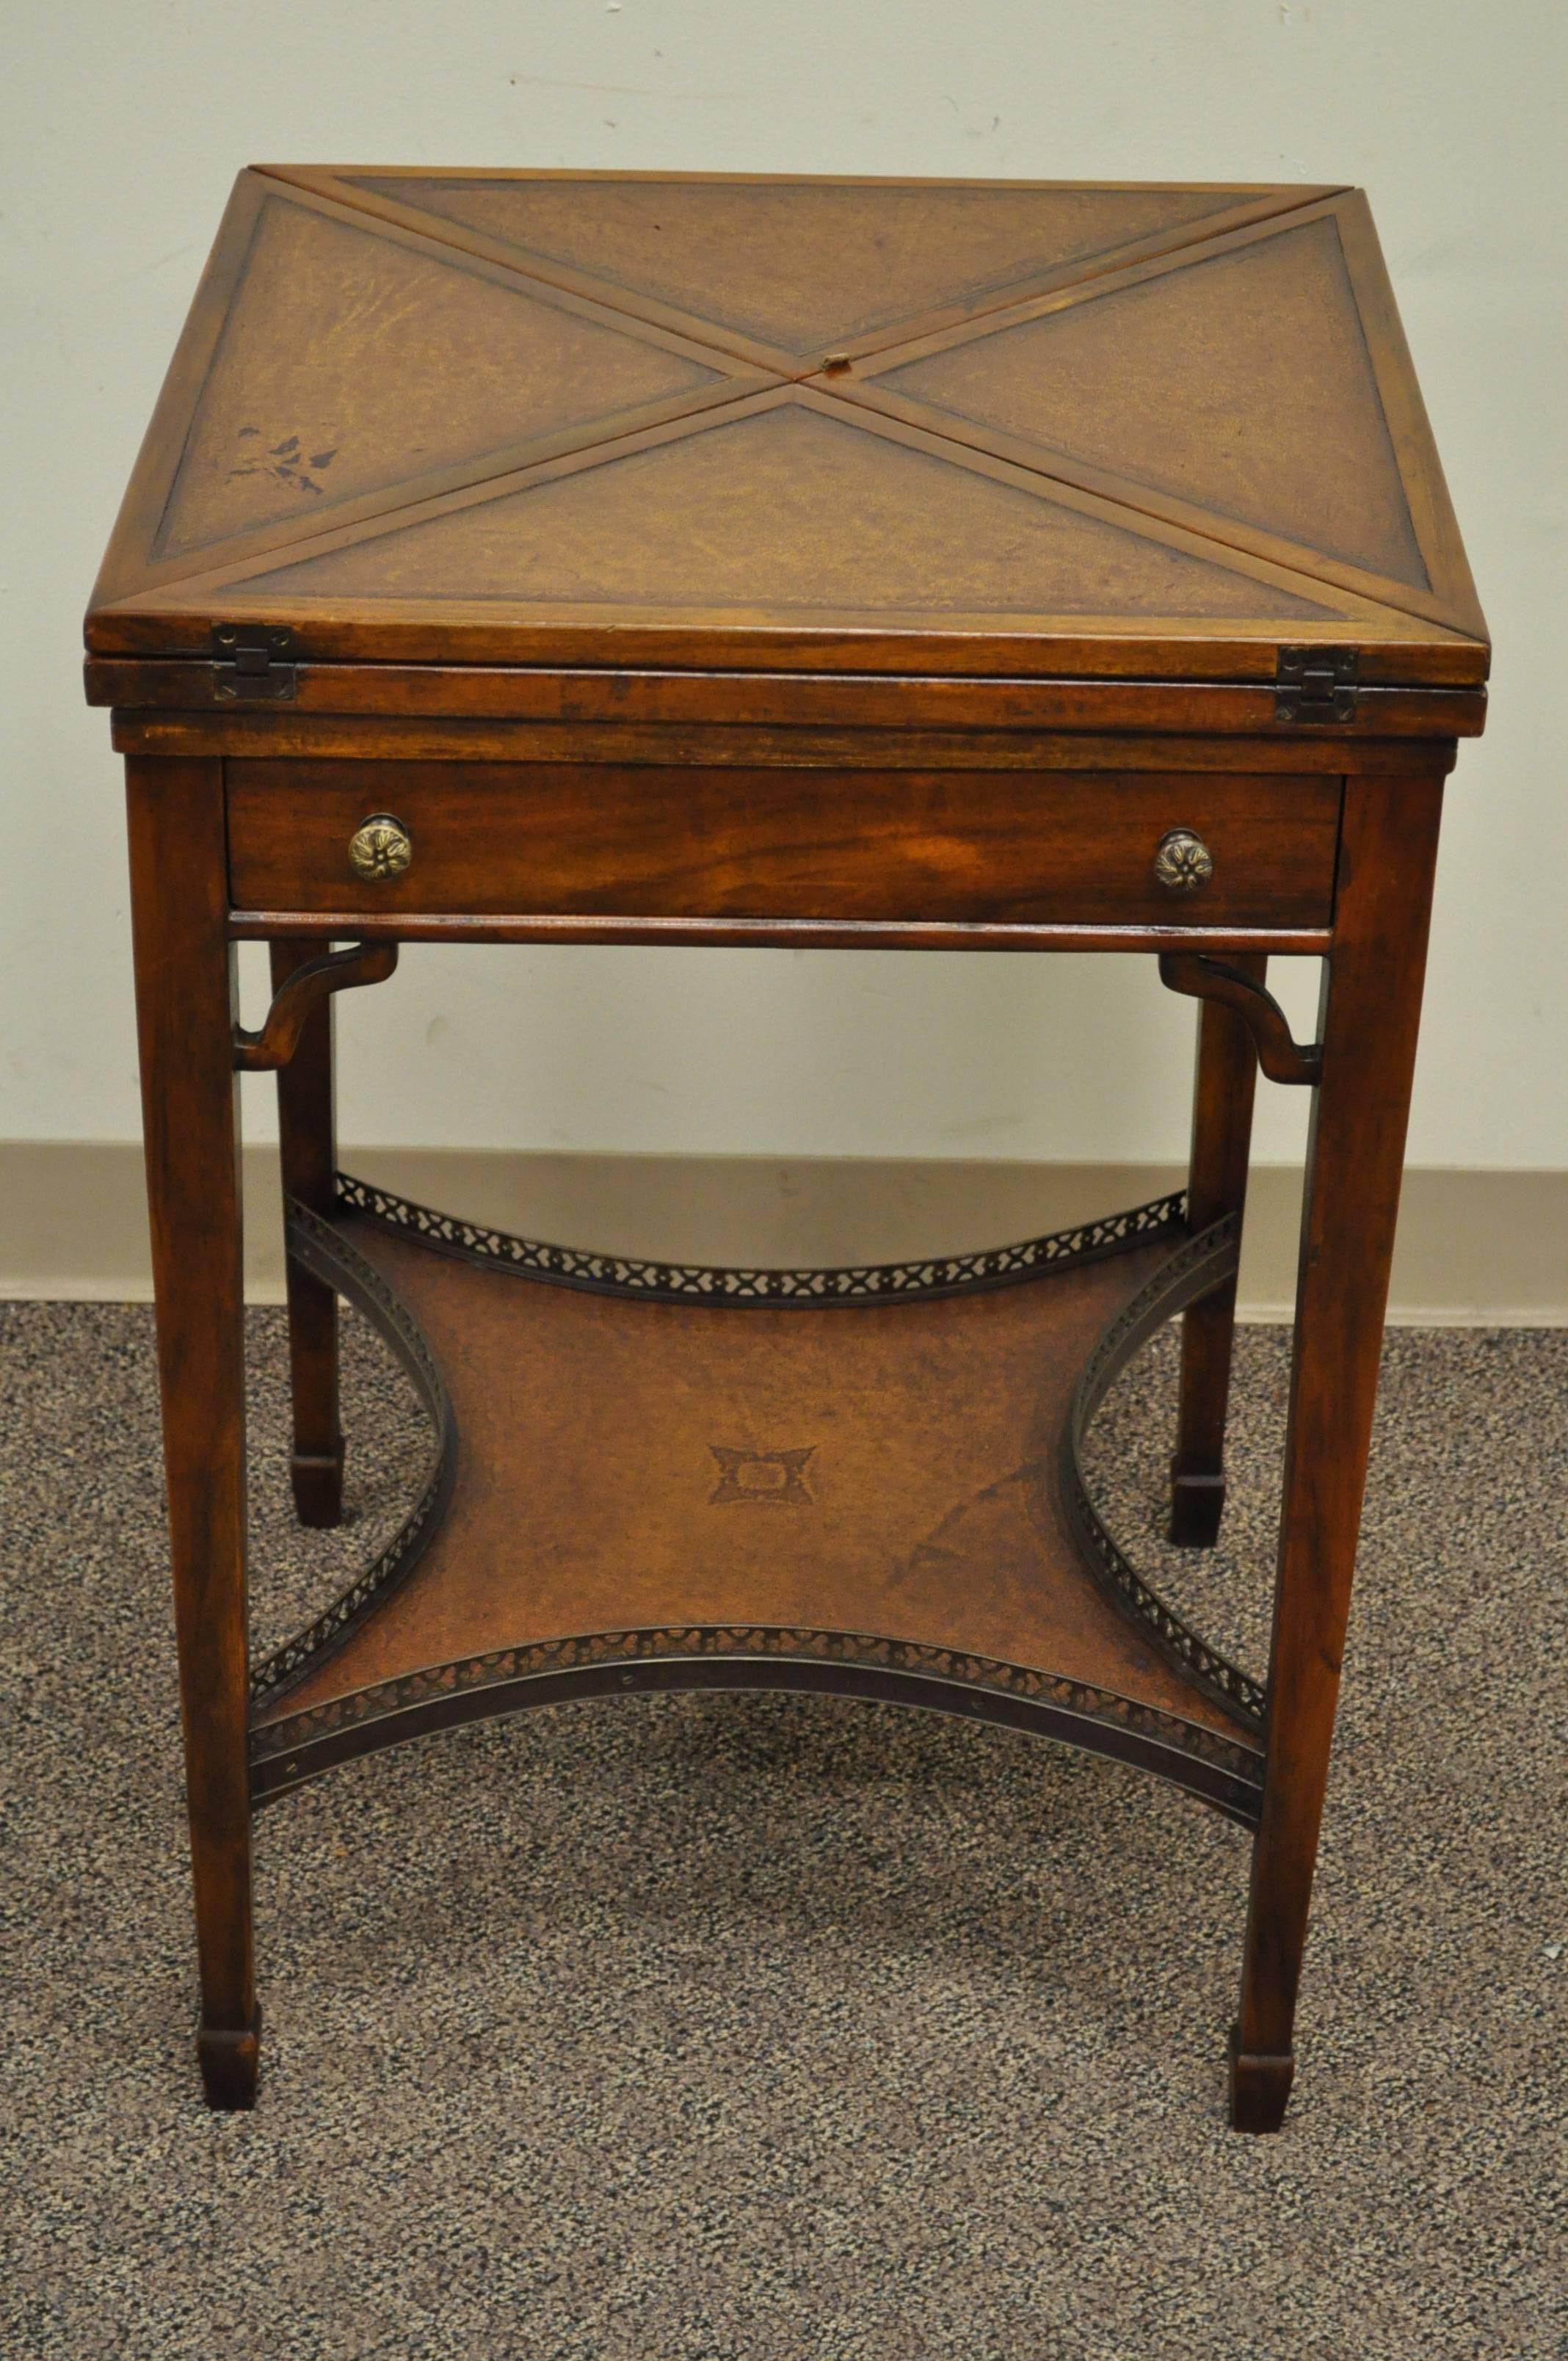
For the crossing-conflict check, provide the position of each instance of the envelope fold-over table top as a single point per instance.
(1037, 430)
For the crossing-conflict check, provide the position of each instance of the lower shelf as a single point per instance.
(862, 1482)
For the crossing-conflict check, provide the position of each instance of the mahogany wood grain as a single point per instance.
(985, 722)
(1371, 1011)
(1280, 1056)
(966, 847)
(185, 1011)
(695, 746)
(307, 1135)
(776, 934)
(324, 972)
(1393, 650)
(760, 561)
(1216, 1185)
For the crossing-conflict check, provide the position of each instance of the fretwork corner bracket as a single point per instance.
(275, 1044)
(1279, 1055)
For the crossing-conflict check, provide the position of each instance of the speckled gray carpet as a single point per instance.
(707, 2029)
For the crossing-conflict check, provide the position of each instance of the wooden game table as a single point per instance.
(544, 557)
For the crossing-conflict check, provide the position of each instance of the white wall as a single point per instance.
(127, 120)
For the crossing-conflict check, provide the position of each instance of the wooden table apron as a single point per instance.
(613, 625)
(1385, 838)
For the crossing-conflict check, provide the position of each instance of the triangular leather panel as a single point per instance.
(352, 362)
(1239, 382)
(797, 265)
(786, 508)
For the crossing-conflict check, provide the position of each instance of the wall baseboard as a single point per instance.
(1475, 1248)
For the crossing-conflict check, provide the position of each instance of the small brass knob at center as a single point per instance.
(380, 847)
(1182, 861)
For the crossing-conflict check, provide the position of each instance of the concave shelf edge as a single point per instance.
(1221, 1768)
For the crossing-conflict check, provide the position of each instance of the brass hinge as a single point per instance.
(1315, 684)
(253, 661)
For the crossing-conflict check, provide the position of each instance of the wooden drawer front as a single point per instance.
(586, 839)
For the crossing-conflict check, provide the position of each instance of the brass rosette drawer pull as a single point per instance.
(380, 847)
(1182, 861)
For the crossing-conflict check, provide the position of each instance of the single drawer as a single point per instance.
(493, 839)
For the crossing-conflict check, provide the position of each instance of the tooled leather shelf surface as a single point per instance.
(644, 1453)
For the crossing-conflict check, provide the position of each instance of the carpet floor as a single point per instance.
(723, 2029)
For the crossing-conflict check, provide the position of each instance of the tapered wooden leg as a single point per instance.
(185, 975)
(1221, 1137)
(1371, 1006)
(306, 1131)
